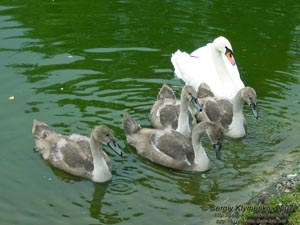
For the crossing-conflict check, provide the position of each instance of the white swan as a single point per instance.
(229, 114)
(170, 148)
(168, 112)
(77, 154)
(212, 64)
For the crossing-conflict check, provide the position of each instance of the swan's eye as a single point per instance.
(229, 55)
(228, 52)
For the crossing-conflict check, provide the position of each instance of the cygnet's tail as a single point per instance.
(40, 130)
(129, 125)
(166, 92)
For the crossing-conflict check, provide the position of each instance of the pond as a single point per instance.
(76, 64)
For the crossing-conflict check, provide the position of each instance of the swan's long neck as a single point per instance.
(224, 78)
(183, 120)
(201, 161)
(219, 63)
(101, 172)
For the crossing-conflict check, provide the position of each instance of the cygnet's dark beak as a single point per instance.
(254, 110)
(196, 104)
(114, 146)
(218, 148)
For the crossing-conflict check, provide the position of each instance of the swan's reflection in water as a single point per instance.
(104, 196)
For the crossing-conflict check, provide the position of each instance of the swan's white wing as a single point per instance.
(194, 71)
(202, 52)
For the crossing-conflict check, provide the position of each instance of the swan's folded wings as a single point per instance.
(68, 155)
(173, 144)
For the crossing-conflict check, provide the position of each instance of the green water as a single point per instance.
(75, 64)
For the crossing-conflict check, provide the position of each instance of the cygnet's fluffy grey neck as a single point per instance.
(201, 161)
(183, 120)
(101, 171)
(238, 102)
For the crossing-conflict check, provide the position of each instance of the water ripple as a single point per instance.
(105, 50)
(122, 186)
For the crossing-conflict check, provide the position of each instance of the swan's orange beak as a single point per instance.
(229, 56)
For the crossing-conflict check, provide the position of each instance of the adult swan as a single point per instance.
(212, 64)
